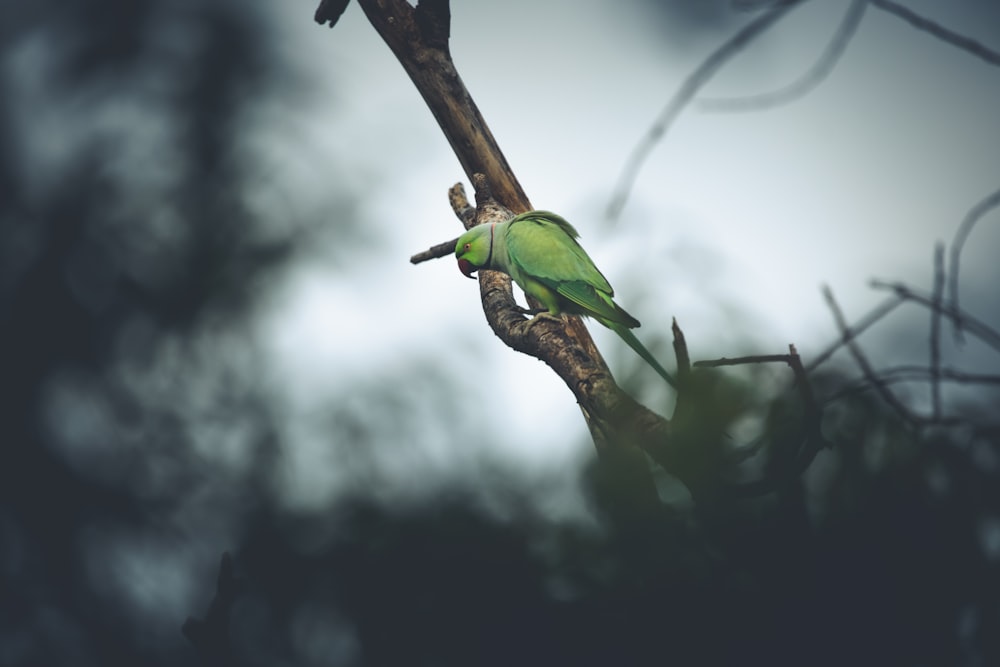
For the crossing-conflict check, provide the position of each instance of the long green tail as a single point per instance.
(634, 343)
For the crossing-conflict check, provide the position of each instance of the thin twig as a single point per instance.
(873, 316)
(935, 337)
(976, 327)
(975, 214)
(465, 212)
(911, 373)
(802, 86)
(435, 252)
(862, 361)
(756, 359)
(936, 29)
(689, 88)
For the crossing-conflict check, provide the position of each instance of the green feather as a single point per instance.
(539, 251)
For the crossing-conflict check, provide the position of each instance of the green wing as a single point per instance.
(542, 247)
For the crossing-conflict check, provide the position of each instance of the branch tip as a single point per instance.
(434, 252)
(329, 11)
(680, 351)
(433, 17)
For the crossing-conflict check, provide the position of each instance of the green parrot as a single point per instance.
(538, 249)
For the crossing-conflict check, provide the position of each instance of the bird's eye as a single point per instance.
(467, 247)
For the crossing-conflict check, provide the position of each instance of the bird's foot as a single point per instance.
(542, 314)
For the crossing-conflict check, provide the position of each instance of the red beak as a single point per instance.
(466, 267)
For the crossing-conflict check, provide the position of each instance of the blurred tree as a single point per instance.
(133, 265)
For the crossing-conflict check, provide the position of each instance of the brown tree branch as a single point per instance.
(435, 252)
(329, 11)
(738, 361)
(418, 36)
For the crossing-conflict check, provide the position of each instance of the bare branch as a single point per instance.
(465, 211)
(419, 39)
(935, 336)
(802, 86)
(934, 373)
(864, 323)
(329, 11)
(689, 88)
(435, 252)
(976, 214)
(862, 361)
(936, 29)
(977, 328)
(910, 373)
(756, 359)
(434, 19)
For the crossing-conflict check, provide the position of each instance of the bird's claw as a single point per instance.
(546, 315)
(540, 314)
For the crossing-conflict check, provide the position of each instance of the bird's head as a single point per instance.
(474, 249)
